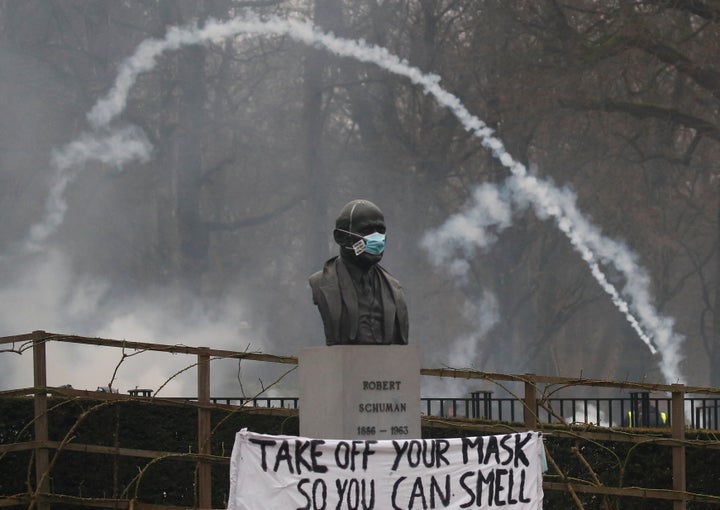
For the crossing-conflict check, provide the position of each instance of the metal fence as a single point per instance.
(638, 409)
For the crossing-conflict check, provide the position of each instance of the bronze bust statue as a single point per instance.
(359, 301)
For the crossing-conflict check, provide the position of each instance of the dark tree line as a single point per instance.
(258, 141)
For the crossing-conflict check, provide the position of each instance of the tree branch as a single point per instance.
(696, 7)
(220, 226)
(647, 111)
(707, 78)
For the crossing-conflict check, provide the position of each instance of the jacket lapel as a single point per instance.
(394, 307)
(349, 296)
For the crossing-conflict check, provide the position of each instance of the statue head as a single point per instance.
(360, 232)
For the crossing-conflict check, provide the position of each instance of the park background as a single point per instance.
(258, 140)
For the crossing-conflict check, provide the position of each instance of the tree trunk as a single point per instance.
(192, 233)
(183, 236)
(714, 347)
(318, 190)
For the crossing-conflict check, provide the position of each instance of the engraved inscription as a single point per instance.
(381, 385)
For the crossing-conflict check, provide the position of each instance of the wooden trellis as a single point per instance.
(41, 497)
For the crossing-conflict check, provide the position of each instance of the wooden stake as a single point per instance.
(41, 418)
(203, 468)
(678, 452)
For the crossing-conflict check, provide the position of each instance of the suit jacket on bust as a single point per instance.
(339, 303)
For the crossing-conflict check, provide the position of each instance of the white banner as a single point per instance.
(294, 473)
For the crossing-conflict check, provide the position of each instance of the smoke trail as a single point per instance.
(654, 330)
(464, 233)
(114, 148)
(547, 200)
(482, 314)
(448, 241)
(451, 247)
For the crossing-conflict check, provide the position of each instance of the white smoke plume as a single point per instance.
(46, 293)
(653, 329)
(590, 414)
(548, 200)
(463, 234)
(114, 148)
(451, 247)
(481, 314)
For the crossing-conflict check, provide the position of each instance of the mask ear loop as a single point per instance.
(359, 246)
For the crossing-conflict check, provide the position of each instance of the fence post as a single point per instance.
(530, 402)
(41, 419)
(487, 404)
(678, 452)
(204, 475)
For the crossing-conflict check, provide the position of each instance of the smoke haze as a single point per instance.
(55, 299)
(42, 286)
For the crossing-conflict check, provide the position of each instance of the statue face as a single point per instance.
(363, 218)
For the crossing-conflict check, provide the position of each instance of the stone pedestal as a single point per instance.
(360, 392)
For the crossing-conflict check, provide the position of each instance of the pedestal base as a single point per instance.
(360, 392)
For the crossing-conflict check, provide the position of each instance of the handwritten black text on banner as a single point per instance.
(287, 472)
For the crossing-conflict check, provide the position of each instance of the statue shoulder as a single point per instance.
(327, 272)
(315, 278)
